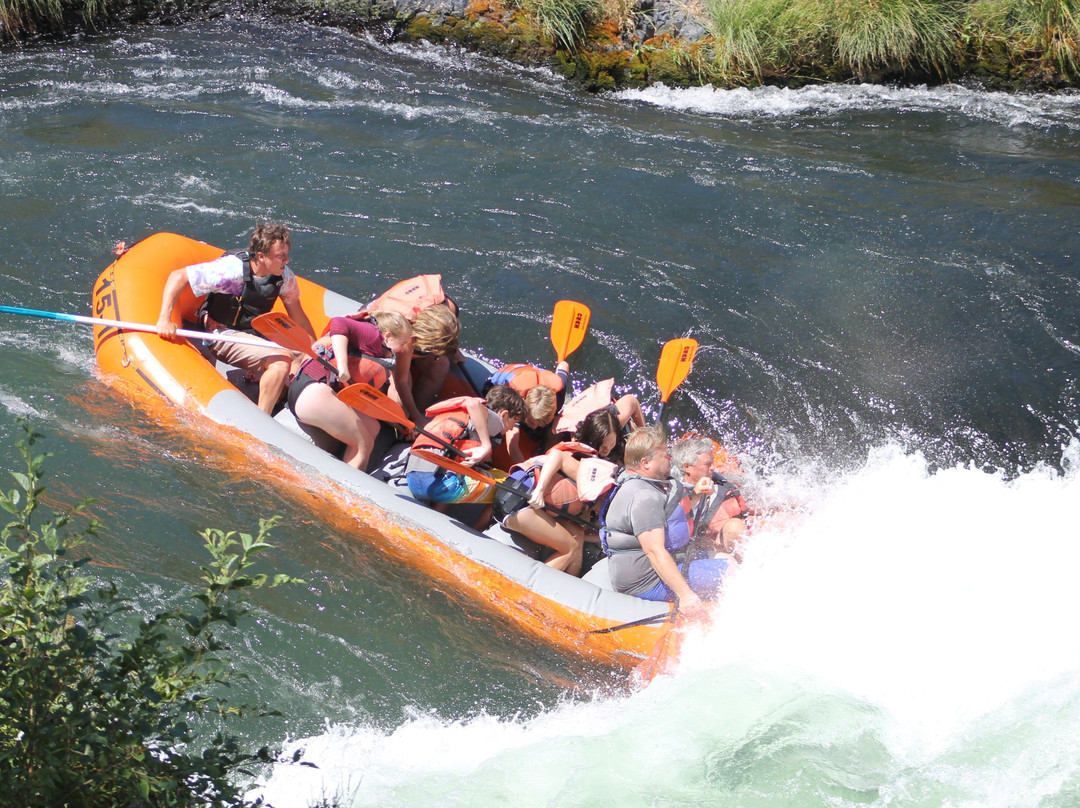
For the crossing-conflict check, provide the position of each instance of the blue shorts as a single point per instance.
(447, 487)
(706, 577)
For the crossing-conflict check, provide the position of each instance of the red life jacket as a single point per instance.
(410, 297)
(451, 422)
(726, 502)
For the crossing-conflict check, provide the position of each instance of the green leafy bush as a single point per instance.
(96, 711)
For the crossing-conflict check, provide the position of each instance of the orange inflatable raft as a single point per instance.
(493, 572)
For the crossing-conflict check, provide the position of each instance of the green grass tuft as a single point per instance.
(564, 21)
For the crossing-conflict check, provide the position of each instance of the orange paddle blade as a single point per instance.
(675, 362)
(569, 322)
(453, 465)
(375, 403)
(280, 328)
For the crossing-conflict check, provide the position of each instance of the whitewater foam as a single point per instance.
(892, 639)
(1009, 109)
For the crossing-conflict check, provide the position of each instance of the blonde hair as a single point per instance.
(540, 404)
(437, 330)
(642, 443)
(392, 323)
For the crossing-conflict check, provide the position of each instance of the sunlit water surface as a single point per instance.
(884, 283)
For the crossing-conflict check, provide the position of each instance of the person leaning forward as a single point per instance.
(238, 287)
(644, 527)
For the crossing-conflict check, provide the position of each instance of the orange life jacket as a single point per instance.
(410, 297)
(580, 406)
(450, 421)
(524, 378)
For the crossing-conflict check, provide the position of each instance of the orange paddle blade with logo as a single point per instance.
(675, 362)
(569, 323)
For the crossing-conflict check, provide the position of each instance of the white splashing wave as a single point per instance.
(367, 766)
(337, 80)
(893, 637)
(159, 201)
(20, 407)
(1010, 109)
(936, 595)
(197, 183)
(54, 93)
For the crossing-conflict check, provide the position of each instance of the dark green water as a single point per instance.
(885, 286)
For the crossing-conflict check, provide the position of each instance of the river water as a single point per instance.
(885, 286)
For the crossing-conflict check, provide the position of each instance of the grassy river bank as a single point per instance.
(611, 44)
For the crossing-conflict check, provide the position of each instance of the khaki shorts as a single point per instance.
(247, 357)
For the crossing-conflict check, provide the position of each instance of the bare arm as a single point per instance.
(652, 542)
(553, 462)
(513, 445)
(629, 409)
(478, 414)
(174, 287)
(401, 386)
(296, 311)
(340, 344)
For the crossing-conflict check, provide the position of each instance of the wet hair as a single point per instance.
(689, 450)
(642, 444)
(596, 426)
(392, 323)
(265, 235)
(437, 331)
(505, 397)
(540, 404)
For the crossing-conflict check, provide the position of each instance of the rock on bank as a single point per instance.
(660, 40)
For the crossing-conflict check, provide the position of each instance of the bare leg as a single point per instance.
(566, 540)
(318, 406)
(272, 382)
(729, 540)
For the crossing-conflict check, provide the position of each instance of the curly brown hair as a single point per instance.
(265, 235)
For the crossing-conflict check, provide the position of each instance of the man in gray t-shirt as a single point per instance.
(643, 519)
(636, 508)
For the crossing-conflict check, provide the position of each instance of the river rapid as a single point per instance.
(885, 286)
